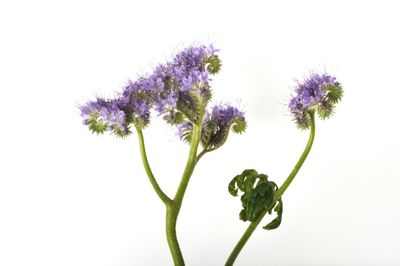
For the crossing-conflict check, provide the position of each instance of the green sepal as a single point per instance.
(140, 122)
(213, 64)
(174, 117)
(335, 93)
(214, 135)
(333, 96)
(239, 126)
(122, 134)
(187, 134)
(95, 125)
(191, 105)
(326, 110)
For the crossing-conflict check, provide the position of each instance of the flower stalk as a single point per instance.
(160, 193)
(278, 194)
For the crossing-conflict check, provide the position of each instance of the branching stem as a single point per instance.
(173, 207)
(164, 198)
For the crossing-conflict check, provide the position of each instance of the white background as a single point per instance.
(68, 197)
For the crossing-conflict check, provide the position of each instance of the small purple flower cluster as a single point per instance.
(178, 90)
(216, 126)
(319, 92)
(102, 115)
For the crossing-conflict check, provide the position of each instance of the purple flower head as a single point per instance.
(319, 92)
(102, 115)
(226, 114)
(186, 89)
(219, 122)
(194, 57)
(196, 81)
(190, 68)
(137, 100)
(166, 103)
(216, 126)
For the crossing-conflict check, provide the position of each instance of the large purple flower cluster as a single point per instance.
(320, 93)
(178, 90)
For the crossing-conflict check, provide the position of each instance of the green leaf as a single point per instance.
(277, 221)
(259, 200)
(258, 194)
(232, 188)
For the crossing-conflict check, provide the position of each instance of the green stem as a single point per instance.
(174, 208)
(201, 154)
(164, 198)
(187, 173)
(250, 229)
(172, 239)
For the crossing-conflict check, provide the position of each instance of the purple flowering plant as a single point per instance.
(180, 92)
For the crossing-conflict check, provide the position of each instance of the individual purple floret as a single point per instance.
(319, 92)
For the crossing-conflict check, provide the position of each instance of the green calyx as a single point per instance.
(213, 64)
(215, 135)
(258, 196)
(96, 125)
(327, 106)
(239, 126)
(192, 106)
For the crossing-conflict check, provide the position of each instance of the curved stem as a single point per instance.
(300, 162)
(201, 154)
(164, 198)
(250, 229)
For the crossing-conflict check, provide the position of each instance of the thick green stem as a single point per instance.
(174, 208)
(171, 236)
(250, 229)
(164, 198)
